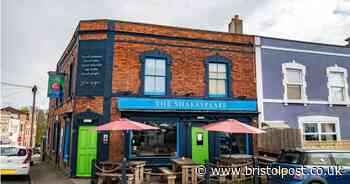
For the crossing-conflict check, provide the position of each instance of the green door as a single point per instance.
(87, 143)
(200, 145)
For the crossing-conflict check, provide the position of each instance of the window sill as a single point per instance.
(331, 104)
(154, 94)
(304, 102)
(217, 96)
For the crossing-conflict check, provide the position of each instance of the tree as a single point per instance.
(41, 125)
(24, 109)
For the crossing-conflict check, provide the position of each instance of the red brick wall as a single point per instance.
(116, 138)
(187, 68)
(93, 25)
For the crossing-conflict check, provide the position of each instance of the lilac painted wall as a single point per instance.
(291, 112)
(316, 78)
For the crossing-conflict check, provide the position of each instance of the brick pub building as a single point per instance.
(175, 78)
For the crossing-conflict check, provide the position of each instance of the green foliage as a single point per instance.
(41, 125)
(24, 109)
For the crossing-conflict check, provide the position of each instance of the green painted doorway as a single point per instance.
(87, 144)
(200, 146)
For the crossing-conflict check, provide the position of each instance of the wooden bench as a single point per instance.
(170, 175)
(102, 176)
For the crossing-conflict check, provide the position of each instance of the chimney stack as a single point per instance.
(236, 25)
(348, 40)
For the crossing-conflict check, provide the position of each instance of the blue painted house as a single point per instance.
(304, 85)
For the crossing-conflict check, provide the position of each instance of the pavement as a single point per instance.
(43, 173)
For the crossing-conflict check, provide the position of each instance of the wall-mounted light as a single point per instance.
(201, 117)
(105, 138)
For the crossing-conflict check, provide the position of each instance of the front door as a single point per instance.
(87, 143)
(200, 148)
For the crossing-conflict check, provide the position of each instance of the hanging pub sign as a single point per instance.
(56, 85)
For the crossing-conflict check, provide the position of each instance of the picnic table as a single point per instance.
(112, 169)
(187, 168)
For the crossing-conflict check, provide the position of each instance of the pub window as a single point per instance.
(155, 143)
(155, 76)
(217, 79)
(232, 143)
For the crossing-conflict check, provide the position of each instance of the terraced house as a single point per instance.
(174, 78)
(308, 85)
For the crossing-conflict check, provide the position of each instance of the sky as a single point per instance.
(34, 34)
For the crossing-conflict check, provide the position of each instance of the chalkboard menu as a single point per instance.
(91, 68)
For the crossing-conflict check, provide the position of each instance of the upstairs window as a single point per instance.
(217, 79)
(218, 76)
(294, 82)
(155, 76)
(337, 85)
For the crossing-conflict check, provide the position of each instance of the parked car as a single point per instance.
(319, 167)
(14, 160)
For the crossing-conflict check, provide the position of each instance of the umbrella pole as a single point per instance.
(124, 163)
(124, 171)
(231, 137)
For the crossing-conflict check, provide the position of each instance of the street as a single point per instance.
(40, 173)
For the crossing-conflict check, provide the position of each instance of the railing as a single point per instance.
(343, 144)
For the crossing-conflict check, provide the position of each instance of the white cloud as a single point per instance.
(343, 8)
(302, 20)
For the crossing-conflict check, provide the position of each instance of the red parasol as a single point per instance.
(232, 126)
(125, 124)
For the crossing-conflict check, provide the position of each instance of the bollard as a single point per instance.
(124, 168)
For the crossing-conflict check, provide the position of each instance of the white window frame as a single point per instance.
(339, 69)
(319, 120)
(218, 79)
(296, 66)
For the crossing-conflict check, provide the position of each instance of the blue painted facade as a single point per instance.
(272, 53)
(183, 104)
(184, 112)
